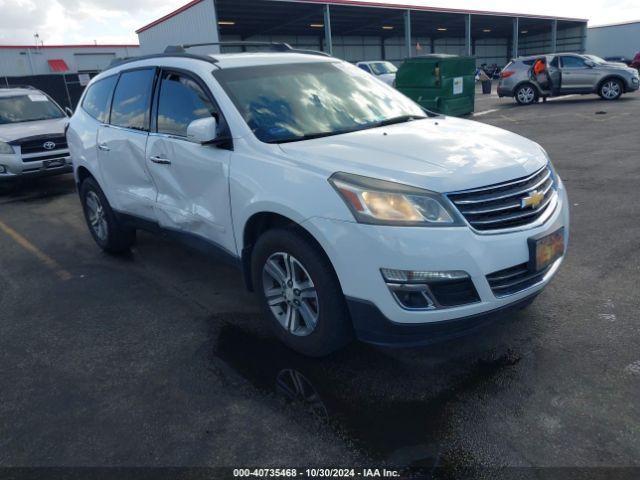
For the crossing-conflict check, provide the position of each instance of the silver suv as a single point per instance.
(32, 138)
(569, 73)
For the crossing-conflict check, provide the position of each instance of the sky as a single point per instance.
(115, 21)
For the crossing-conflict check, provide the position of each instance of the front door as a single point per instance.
(192, 179)
(122, 144)
(576, 74)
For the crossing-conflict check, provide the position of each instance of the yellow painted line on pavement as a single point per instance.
(49, 262)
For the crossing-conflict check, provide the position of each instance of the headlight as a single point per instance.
(380, 202)
(6, 149)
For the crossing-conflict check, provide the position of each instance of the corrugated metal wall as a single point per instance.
(197, 24)
(15, 62)
(615, 40)
(568, 40)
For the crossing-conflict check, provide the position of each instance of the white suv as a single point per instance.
(349, 209)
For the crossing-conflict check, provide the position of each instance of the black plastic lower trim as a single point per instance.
(372, 326)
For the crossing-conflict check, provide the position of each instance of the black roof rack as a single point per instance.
(273, 46)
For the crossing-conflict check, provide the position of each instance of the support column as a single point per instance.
(407, 33)
(554, 35)
(467, 36)
(516, 35)
(583, 38)
(327, 30)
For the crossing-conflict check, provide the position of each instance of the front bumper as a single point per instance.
(358, 252)
(15, 167)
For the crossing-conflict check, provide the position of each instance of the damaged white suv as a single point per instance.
(350, 210)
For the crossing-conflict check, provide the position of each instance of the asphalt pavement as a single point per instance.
(160, 358)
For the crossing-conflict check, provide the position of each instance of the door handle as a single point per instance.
(159, 160)
(103, 147)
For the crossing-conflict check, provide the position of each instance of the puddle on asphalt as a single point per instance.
(387, 409)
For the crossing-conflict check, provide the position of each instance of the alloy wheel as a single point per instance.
(291, 294)
(611, 90)
(526, 95)
(96, 216)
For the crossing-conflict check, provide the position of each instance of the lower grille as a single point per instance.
(40, 158)
(514, 279)
(37, 145)
(509, 204)
(454, 293)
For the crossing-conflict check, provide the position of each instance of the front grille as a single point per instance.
(514, 279)
(502, 205)
(40, 158)
(36, 145)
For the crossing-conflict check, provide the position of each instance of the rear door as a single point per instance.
(122, 144)
(576, 75)
(192, 179)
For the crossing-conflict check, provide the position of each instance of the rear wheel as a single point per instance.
(526, 94)
(610, 89)
(105, 229)
(300, 293)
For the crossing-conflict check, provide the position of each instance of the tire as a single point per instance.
(108, 233)
(320, 323)
(526, 94)
(610, 89)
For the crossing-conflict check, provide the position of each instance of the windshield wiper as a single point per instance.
(382, 123)
(396, 120)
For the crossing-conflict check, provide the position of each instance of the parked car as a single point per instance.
(620, 59)
(635, 63)
(385, 71)
(32, 141)
(570, 73)
(348, 208)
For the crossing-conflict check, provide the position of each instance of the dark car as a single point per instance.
(635, 63)
(625, 60)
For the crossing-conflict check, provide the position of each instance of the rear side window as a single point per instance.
(96, 101)
(572, 62)
(554, 62)
(181, 101)
(132, 99)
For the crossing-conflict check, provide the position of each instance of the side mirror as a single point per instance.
(203, 130)
(589, 63)
(68, 111)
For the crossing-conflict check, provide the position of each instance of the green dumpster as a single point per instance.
(440, 83)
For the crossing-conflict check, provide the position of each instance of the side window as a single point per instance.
(131, 100)
(573, 62)
(181, 101)
(365, 67)
(96, 101)
(554, 63)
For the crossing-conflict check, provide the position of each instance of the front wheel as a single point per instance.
(300, 293)
(526, 94)
(610, 90)
(105, 229)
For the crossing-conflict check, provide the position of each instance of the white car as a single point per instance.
(383, 70)
(350, 210)
(32, 140)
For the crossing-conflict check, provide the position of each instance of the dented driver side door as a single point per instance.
(191, 179)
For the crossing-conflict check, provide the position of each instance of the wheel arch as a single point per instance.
(526, 82)
(259, 223)
(82, 173)
(612, 76)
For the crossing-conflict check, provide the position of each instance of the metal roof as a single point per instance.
(249, 6)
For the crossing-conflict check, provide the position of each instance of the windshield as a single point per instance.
(284, 103)
(381, 68)
(28, 108)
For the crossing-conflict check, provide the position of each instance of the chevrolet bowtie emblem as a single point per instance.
(534, 199)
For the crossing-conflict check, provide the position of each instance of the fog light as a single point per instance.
(3, 169)
(425, 290)
(410, 276)
(413, 297)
